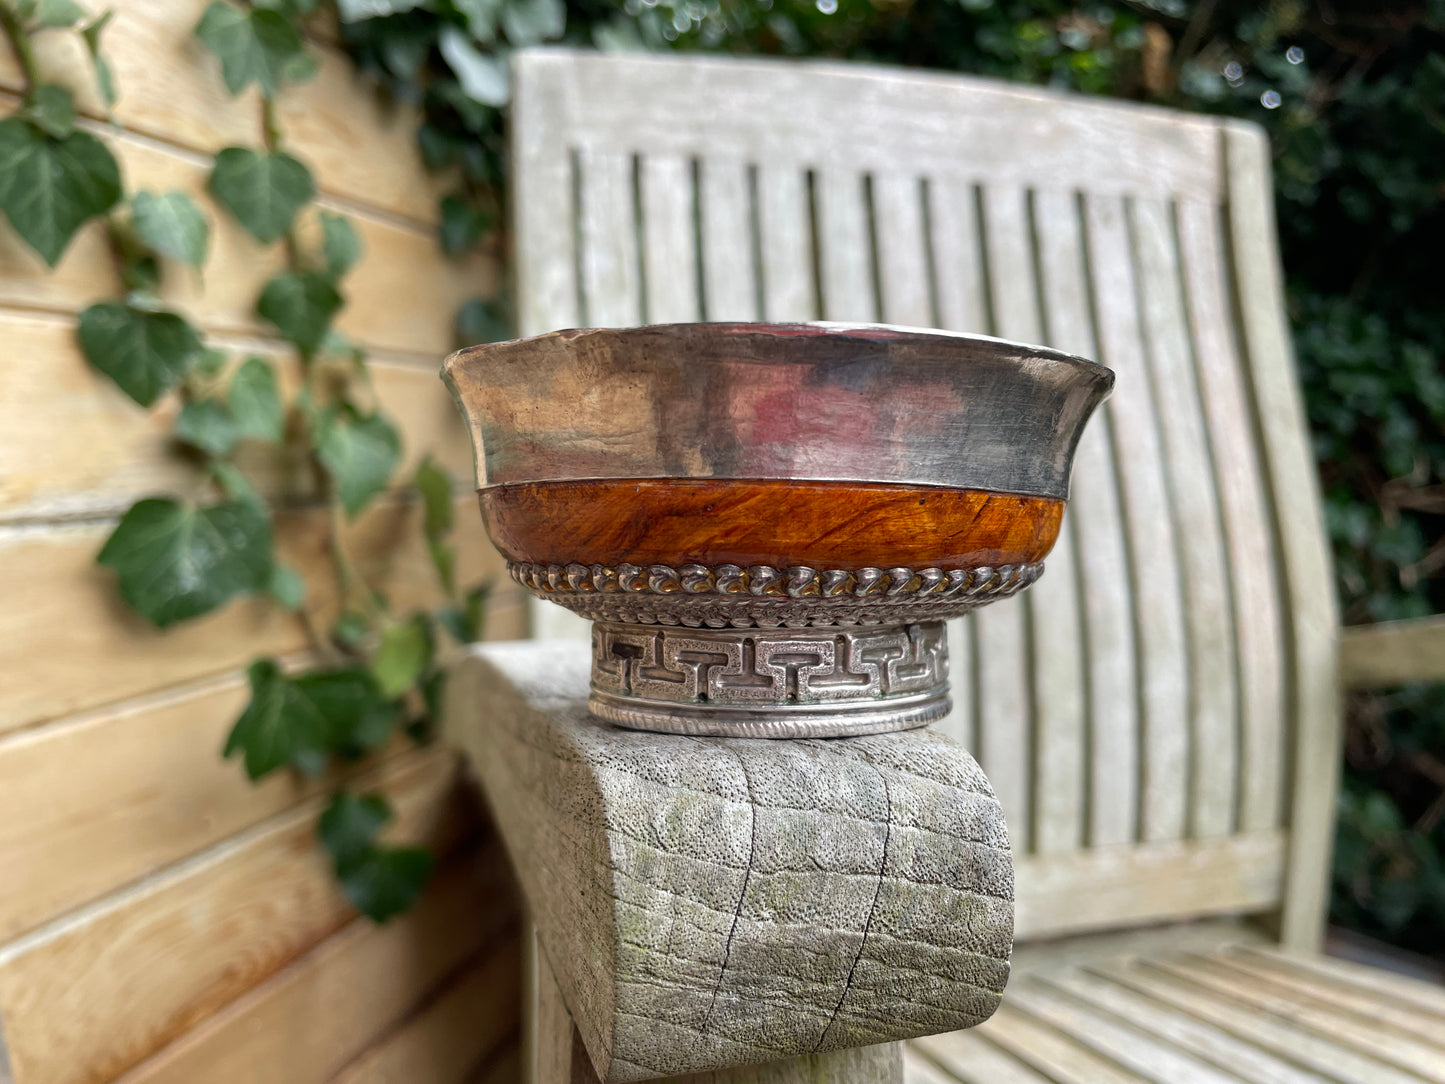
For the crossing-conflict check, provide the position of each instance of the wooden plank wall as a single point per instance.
(160, 917)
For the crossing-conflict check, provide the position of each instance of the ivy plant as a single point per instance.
(375, 673)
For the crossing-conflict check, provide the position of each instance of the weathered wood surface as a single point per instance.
(1394, 653)
(146, 888)
(1171, 673)
(1222, 1016)
(710, 903)
(558, 1055)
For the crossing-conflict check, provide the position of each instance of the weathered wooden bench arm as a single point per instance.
(1393, 653)
(706, 903)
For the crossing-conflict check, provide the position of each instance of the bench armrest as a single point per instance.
(1393, 653)
(705, 903)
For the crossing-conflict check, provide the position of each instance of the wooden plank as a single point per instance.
(457, 1030)
(544, 210)
(1059, 1057)
(1382, 983)
(47, 388)
(91, 803)
(669, 239)
(1154, 565)
(729, 269)
(845, 247)
(795, 114)
(1333, 996)
(1121, 886)
(1365, 1036)
(1313, 628)
(1181, 1030)
(358, 146)
(1213, 696)
(62, 606)
(1393, 653)
(965, 1056)
(607, 240)
(958, 267)
(876, 868)
(959, 724)
(1112, 708)
(169, 87)
(1132, 1048)
(309, 1020)
(401, 297)
(785, 238)
(903, 264)
(94, 995)
(1257, 630)
(958, 283)
(1332, 1061)
(1046, 725)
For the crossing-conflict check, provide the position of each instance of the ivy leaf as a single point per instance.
(435, 486)
(262, 191)
(255, 401)
(401, 657)
(301, 305)
(104, 80)
(234, 484)
(350, 824)
(253, 46)
(57, 13)
(528, 22)
(50, 187)
(340, 244)
(172, 225)
(176, 562)
(145, 352)
(53, 111)
(297, 721)
(386, 881)
(483, 76)
(207, 425)
(358, 452)
(462, 224)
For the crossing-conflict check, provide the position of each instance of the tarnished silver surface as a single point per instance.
(696, 596)
(778, 683)
(777, 401)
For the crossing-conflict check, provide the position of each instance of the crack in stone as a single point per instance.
(877, 892)
(742, 896)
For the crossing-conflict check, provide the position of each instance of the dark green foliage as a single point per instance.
(380, 881)
(258, 45)
(359, 452)
(302, 721)
(302, 305)
(262, 190)
(171, 225)
(175, 561)
(144, 351)
(49, 186)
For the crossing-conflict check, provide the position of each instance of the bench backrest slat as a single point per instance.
(1142, 709)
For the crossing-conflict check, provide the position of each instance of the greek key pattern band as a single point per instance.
(769, 668)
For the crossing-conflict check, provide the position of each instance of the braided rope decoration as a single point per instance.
(760, 596)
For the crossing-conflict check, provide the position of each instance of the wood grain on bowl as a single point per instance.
(842, 525)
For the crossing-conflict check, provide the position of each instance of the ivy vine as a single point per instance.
(375, 671)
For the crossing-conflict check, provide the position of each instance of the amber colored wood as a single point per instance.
(847, 525)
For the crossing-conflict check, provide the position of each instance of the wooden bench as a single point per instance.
(1160, 715)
